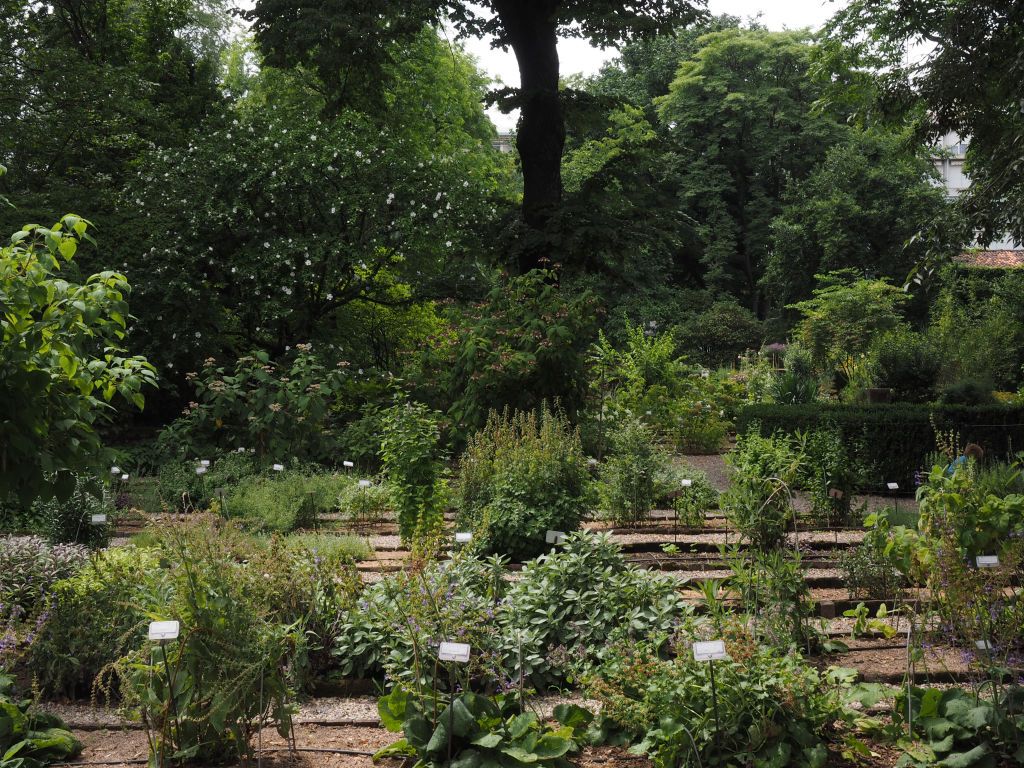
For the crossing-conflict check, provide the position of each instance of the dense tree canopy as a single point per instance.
(349, 45)
(968, 80)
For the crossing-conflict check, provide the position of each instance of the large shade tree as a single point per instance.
(944, 65)
(350, 43)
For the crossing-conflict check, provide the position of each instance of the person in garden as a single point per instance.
(971, 451)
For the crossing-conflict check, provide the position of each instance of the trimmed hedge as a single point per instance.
(896, 437)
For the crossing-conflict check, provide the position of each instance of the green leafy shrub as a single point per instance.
(570, 604)
(393, 629)
(773, 709)
(521, 475)
(797, 382)
(409, 448)
(31, 739)
(284, 501)
(907, 363)
(520, 347)
(94, 618)
(690, 502)
(277, 408)
(774, 592)
(958, 728)
(70, 520)
(205, 694)
(29, 567)
(830, 471)
(542, 629)
(361, 506)
(470, 729)
(868, 571)
(900, 436)
(967, 392)
(629, 476)
(61, 361)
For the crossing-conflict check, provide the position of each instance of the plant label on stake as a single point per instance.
(983, 645)
(554, 537)
(164, 630)
(365, 483)
(457, 652)
(124, 476)
(347, 464)
(893, 486)
(686, 482)
(115, 470)
(201, 470)
(278, 467)
(204, 463)
(463, 537)
(98, 519)
(987, 561)
(710, 650)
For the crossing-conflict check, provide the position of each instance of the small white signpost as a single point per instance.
(98, 519)
(347, 464)
(164, 630)
(457, 652)
(365, 483)
(987, 561)
(554, 537)
(278, 467)
(463, 537)
(709, 650)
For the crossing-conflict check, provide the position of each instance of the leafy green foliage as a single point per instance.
(542, 630)
(474, 730)
(277, 409)
(29, 567)
(284, 501)
(845, 314)
(627, 486)
(719, 99)
(959, 729)
(94, 617)
(908, 363)
(409, 450)
(521, 475)
(899, 437)
(30, 739)
(860, 209)
(523, 345)
(61, 361)
(773, 709)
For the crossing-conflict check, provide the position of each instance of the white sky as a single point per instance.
(577, 55)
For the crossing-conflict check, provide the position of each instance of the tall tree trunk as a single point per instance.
(533, 34)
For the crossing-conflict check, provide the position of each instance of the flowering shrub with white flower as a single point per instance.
(277, 216)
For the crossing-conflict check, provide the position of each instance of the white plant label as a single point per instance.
(463, 538)
(347, 464)
(686, 482)
(115, 470)
(164, 630)
(893, 486)
(278, 467)
(241, 449)
(983, 645)
(124, 477)
(98, 519)
(554, 537)
(201, 470)
(204, 463)
(710, 650)
(365, 483)
(458, 652)
(987, 561)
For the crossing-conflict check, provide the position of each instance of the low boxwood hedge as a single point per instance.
(897, 437)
